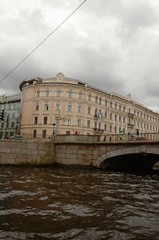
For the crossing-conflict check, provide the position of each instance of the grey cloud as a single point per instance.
(112, 45)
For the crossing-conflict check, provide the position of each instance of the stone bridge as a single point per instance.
(83, 150)
(89, 151)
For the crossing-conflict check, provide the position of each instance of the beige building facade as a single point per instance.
(63, 105)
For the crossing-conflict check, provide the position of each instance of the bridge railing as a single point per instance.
(107, 138)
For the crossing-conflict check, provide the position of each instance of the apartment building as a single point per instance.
(9, 124)
(62, 105)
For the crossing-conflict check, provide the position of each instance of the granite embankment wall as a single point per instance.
(26, 152)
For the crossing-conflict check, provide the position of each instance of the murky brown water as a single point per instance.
(77, 204)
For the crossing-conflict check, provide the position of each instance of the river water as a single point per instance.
(77, 204)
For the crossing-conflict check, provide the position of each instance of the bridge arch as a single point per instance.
(119, 157)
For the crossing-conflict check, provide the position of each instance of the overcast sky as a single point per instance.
(110, 44)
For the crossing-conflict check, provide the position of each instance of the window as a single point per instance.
(100, 114)
(57, 106)
(44, 134)
(35, 120)
(95, 113)
(111, 116)
(37, 93)
(100, 100)
(89, 109)
(79, 122)
(96, 99)
(105, 114)
(45, 120)
(106, 103)
(36, 106)
(12, 124)
(69, 107)
(46, 106)
(88, 123)
(47, 93)
(80, 95)
(89, 97)
(105, 127)
(34, 133)
(79, 108)
(58, 93)
(68, 121)
(111, 104)
(70, 94)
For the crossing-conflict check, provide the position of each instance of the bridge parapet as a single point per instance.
(107, 138)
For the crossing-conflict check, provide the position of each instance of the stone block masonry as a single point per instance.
(26, 152)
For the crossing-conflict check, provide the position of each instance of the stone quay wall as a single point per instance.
(26, 152)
